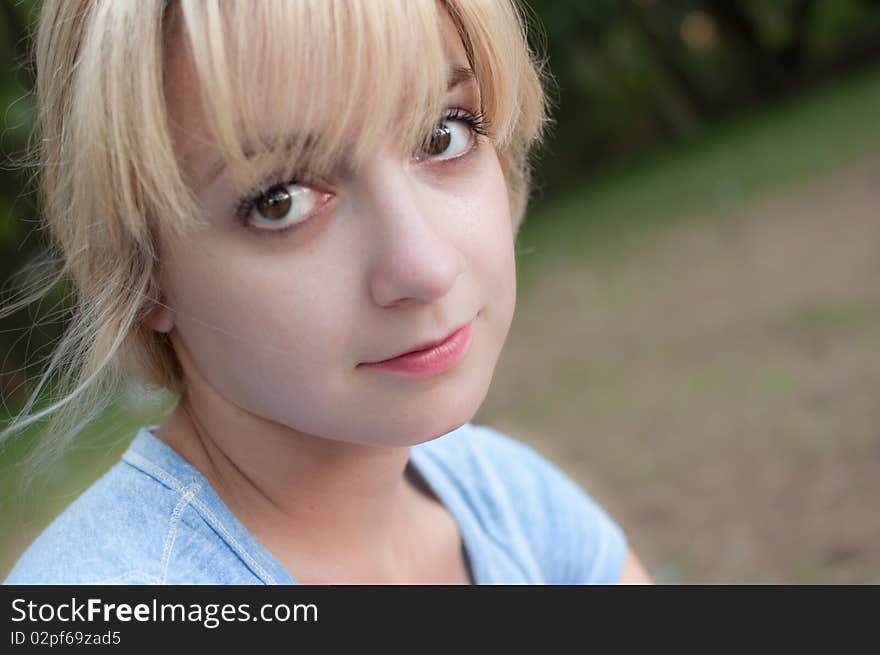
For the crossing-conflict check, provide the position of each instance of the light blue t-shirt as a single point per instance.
(154, 519)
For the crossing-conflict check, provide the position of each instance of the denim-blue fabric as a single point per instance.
(152, 518)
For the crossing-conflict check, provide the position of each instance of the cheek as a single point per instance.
(253, 329)
(490, 247)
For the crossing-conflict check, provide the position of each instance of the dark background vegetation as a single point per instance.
(635, 73)
(703, 234)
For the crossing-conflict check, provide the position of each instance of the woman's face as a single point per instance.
(376, 263)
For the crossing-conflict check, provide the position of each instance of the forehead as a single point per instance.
(341, 77)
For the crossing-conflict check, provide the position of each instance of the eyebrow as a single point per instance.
(458, 75)
(455, 77)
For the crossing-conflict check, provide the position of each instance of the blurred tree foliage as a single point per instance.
(629, 74)
(19, 241)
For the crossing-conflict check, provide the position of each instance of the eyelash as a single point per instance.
(476, 122)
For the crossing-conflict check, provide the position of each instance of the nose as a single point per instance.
(414, 258)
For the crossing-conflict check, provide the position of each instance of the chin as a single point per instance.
(435, 417)
(413, 420)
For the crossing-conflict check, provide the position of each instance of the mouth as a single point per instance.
(431, 356)
(424, 346)
(430, 345)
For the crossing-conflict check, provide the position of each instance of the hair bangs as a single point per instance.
(112, 144)
(291, 87)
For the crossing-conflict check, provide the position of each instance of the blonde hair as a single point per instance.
(110, 180)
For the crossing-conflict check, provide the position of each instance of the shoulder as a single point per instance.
(524, 496)
(110, 533)
(128, 527)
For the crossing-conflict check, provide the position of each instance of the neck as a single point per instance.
(305, 498)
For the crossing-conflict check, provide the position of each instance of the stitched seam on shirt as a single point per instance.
(175, 484)
(217, 525)
(480, 449)
(185, 499)
(473, 507)
(148, 467)
(605, 539)
(600, 556)
(512, 521)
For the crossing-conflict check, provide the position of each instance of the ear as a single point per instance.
(154, 313)
(158, 317)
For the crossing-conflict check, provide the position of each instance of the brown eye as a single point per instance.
(440, 140)
(275, 203)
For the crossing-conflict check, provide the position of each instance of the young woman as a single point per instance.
(299, 218)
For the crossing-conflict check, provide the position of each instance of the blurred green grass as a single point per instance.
(24, 514)
(730, 166)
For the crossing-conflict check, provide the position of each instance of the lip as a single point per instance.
(431, 359)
